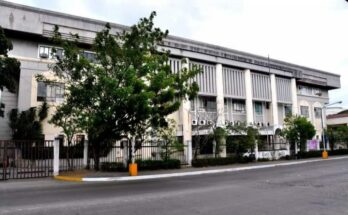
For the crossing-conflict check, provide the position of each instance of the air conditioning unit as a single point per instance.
(237, 122)
(227, 122)
(202, 122)
(43, 55)
(194, 122)
(268, 124)
(262, 124)
(210, 122)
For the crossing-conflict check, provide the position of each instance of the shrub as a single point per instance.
(204, 162)
(315, 154)
(158, 164)
(263, 159)
(112, 166)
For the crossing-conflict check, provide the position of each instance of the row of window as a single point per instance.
(50, 92)
(305, 111)
(309, 91)
(46, 52)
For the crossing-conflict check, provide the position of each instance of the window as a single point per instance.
(91, 56)
(309, 91)
(304, 111)
(46, 52)
(51, 92)
(192, 103)
(238, 106)
(258, 108)
(208, 104)
(287, 110)
(317, 112)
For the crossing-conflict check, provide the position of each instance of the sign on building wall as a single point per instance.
(312, 144)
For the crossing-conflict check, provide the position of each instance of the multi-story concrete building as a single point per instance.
(234, 87)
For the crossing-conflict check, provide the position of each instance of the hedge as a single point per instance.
(142, 165)
(204, 162)
(112, 167)
(314, 154)
(158, 164)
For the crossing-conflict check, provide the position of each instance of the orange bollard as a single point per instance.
(325, 155)
(133, 169)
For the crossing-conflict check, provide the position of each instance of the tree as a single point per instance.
(67, 118)
(128, 89)
(297, 130)
(246, 139)
(27, 125)
(9, 67)
(168, 141)
(337, 135)
(219, 135)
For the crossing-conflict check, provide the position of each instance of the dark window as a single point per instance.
(304, 111)
(287, 110)
(51, 92)
(317, 112)
(258, 108)
(238, 106)
(91, 56)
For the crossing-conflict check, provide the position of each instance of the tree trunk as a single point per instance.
(96, 154)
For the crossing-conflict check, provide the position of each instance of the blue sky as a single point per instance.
(312, 33)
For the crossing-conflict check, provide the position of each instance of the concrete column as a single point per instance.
(220, 107)
(186, 120)
(274, 101)
(294, 97)
(85, 153)
(56, 157)
(220, 122)
(256, 151)
(248, 98)
(189, 152)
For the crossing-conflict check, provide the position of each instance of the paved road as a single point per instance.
(313, 188)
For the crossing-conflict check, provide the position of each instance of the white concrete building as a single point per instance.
(234, 87)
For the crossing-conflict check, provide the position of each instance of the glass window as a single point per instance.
(53, 92)
(317, 112)
(258, 108)
(304, 111)
(208, 104)
(287, 110)
(238, 106)
(91, 56)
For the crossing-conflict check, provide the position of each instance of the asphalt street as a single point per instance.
(313, 188)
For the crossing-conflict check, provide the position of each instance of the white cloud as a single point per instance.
(311, 33)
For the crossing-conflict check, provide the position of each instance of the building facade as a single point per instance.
(235, 86)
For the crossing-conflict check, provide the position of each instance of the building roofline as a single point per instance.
(170, 37)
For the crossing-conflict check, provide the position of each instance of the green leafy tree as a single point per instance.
(244, 139)
(168, 140)
(337, 135)
(297, 130)
(9, 67)
(67, 118)
(219, 135)
(27, 125)
(128, 89)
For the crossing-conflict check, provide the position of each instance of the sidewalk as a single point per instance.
(93, 176)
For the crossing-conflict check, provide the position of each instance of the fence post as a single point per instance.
(85, 153)
(56, 157)
(256, 150)
(189, 152)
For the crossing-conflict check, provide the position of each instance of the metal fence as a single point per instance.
(25, 159)
(120, 152)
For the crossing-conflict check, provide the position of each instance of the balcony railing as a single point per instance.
(204, 115)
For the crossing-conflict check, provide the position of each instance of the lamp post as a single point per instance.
(325, 154)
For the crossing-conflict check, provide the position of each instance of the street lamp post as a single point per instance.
(325, 154)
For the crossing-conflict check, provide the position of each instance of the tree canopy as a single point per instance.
(129, 88)
(297, 130)
(9, 67)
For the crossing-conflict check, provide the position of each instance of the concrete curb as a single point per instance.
(192, 173)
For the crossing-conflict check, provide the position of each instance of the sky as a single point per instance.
(311, 33)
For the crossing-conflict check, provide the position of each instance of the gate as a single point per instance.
(25, 159)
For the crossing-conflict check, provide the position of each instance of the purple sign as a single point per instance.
(312, 144)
